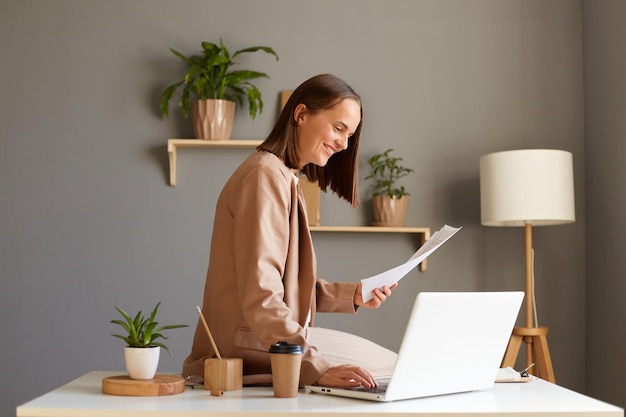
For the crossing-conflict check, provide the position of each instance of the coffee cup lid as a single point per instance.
(285, 347)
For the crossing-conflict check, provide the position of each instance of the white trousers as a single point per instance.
(341, 348)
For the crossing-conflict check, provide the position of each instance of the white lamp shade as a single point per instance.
(534, 186)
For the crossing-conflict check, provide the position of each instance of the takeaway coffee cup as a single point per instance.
(286, 359)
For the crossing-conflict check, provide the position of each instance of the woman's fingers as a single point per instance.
(379, 295)
(347, 376)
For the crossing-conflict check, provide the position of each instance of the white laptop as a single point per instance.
(454, 342)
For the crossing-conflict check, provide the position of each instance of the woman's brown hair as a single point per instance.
(319, 93)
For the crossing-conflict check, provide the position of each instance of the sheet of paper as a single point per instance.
(395, 274)
(509, 374)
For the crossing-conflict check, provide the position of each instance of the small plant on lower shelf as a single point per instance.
(143, 332)
(389, 199)
(386, 170)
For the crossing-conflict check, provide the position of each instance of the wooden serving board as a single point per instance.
(159, 385)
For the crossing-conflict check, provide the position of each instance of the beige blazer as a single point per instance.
(261, 283)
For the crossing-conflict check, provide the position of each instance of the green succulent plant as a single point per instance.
(143, 332)
(208, 77)
(386, 170)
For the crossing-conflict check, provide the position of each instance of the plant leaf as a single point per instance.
(162, 346)
(171, 326)
(123, 324)
(265, 49)
(165, 98)
(154, 312)
(181, 56)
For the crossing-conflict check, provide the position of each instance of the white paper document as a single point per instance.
(509, 374)
(395, 274)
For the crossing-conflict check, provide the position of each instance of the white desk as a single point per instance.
(83, 397)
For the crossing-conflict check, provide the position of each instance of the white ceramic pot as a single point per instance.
(141, 363)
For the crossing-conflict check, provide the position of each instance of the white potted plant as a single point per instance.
(217, 88)
(389, 199)
(142, 351)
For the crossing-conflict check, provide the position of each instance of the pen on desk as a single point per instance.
(206, 327)
(524, 372)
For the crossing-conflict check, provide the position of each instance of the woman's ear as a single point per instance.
(299, 112)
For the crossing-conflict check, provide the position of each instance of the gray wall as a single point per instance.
(605, 130)
(88, 221)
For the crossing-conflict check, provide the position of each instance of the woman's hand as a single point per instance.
(347, 376)
(378, 296)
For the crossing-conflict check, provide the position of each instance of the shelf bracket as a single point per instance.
(171, 152)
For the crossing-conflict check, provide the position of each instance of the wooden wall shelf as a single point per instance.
(174, 144)
(423, 232)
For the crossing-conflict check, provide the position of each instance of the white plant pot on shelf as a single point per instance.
(141, 363)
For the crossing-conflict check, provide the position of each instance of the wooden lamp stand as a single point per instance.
(536, 340)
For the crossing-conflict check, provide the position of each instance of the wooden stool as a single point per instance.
(536, 351)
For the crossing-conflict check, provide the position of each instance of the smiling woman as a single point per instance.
(321, 134)
(262, 286)
(320, 94)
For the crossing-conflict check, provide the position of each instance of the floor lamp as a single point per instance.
(526, 188)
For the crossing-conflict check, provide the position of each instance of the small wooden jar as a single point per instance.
(222, 375)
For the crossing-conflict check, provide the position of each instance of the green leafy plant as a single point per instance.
(142, 332)
(208, 77)
(386, 170)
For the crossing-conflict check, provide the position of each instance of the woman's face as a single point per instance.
(327, 132)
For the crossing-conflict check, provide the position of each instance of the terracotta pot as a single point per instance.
(141, 363)
(213, 119)
(389, 211)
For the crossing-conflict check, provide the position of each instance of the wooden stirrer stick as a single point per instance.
(206, 327)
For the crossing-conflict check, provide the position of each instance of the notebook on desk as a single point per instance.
(454, 342)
